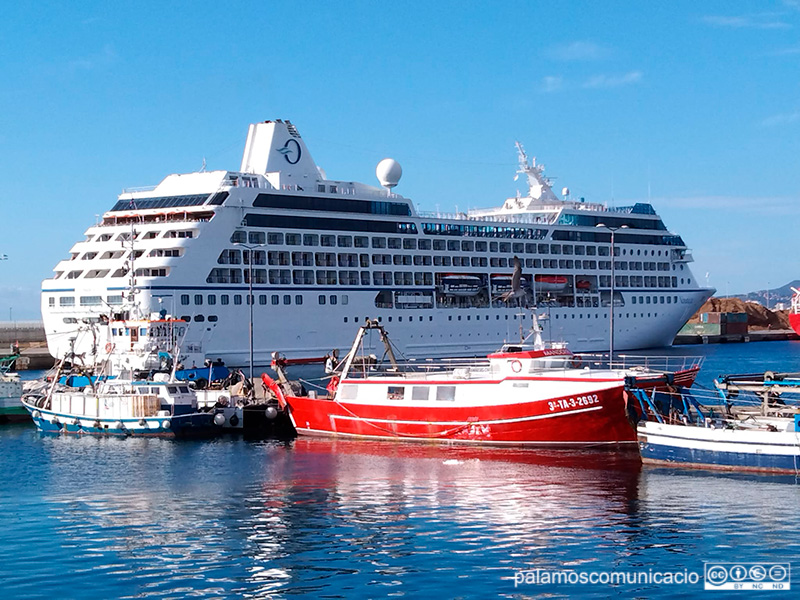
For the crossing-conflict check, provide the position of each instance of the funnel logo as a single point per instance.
(291, 151)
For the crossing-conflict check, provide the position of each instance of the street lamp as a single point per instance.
(250, 298)
(613, 230)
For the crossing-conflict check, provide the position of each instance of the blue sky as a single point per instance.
(694, 105)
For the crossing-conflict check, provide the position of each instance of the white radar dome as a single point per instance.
(565, 191)
(389, 172)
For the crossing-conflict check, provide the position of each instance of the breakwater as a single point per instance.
(29, 337)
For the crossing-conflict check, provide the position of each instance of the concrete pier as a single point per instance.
(29, 337)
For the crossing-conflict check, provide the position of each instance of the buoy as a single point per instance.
(219, 419)
(166, 424)
(120, 425)
(271, 412)
(36, 414)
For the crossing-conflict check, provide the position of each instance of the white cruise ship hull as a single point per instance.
(329, 254)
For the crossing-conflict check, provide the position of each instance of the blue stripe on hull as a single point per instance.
(194, 425)
(731, 461)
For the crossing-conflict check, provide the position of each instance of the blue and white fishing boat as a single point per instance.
(755, 425)
(157, 407)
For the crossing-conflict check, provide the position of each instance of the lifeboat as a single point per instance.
(550, 283)
(461, 285)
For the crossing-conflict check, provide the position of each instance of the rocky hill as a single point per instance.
(758, 316)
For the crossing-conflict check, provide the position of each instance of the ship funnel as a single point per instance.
(276, 147)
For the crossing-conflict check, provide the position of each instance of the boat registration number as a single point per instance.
(575, 402)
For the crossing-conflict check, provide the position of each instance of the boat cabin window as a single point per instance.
(394, 392)
(172, 389)
(378, 242)
(310, 239)
(275, 238)
(446, 393)
(184, 389)
(419, 392)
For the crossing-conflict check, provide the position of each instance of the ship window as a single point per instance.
(333, 299)
(321, 299)
(446, 393)
(453, 245)
(199, 318)
(287, 299)
(419, 392)
(298, 299)
(275, 238)
(237, 299)
(320, 187)
(198, 299)
(184, 299)
(378, 242)
(224, 299)
(424, 244)
(439, 245)
(212, 299)
(213, 318)
(275, 299)
(256, 237)
(328, 240)
(518, 247)
(262, 299)
(395, 392)
(394, 243)
(344, 241)
(91, 300)
(292, 239)
(310, 239)
(51, 301)
(239, 237)
(361, 241)
(409, 244)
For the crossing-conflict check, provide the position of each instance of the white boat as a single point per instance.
(11, 408)
(760, 435)
(329, 253)
(462, 285)
(119, 407)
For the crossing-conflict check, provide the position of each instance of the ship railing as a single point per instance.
(651, 363)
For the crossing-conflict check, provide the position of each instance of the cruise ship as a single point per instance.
(311, 258)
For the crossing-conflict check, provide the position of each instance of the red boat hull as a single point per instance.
(794, 321)
(591, 419)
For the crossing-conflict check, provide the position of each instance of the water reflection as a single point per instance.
(155, 518)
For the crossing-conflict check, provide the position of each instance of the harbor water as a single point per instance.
(150, 518)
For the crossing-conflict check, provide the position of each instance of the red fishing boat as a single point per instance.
(522, 395)
(794, 311)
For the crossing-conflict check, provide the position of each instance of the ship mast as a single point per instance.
(539, 186)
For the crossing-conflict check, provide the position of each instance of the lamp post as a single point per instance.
(613, 230)
(250, 298)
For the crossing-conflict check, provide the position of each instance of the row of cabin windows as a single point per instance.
(225, 299)
(115, 254)
(395, 243)
(331, 259)
(67, 301)
(125, 236)
(319, 277)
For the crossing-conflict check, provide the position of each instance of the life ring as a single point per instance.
(516, 366)
(109, 347)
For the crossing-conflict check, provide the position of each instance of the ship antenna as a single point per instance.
(539, 186)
